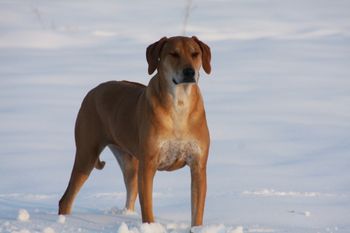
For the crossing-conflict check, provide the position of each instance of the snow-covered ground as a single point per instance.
(277, 103)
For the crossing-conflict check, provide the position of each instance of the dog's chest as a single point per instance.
(175, 152)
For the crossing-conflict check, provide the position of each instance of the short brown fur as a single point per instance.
(161, 126)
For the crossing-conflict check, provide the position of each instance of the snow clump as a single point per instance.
(23, 215)
(307, 213)
(123, 228)
(152, 228)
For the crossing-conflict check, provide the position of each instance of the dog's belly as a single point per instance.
(177, 153)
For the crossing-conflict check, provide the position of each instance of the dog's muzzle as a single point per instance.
(188, 76)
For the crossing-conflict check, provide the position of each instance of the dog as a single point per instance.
(161, 126)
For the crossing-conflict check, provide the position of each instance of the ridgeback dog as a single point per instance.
(161, 126)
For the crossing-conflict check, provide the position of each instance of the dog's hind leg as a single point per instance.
(83, 165)
(76, 181)
(90, 140)
(129, 166)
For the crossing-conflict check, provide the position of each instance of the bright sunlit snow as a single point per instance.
(277, 105)
(23, 215)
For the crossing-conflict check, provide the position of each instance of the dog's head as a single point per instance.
(179, 59)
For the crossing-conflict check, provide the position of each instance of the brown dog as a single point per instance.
(161, 126)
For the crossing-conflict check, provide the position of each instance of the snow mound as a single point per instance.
(152, 228)
(23, 215)
(123, 228)
(307, 213)
(177, 227)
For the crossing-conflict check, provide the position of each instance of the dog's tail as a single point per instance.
(99, 164)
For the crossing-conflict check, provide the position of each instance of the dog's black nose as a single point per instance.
(189, 75)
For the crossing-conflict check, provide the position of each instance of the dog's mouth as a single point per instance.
(186, 80)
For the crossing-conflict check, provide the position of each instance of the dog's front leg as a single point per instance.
(145, 182)
(198, 192)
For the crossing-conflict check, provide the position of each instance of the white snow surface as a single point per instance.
(61, 219)
(277, 104)
(48, 230)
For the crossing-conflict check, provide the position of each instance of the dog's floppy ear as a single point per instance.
(206, 55)
(153, 53)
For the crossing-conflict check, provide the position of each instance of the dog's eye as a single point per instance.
(194, 54)
(174, 54)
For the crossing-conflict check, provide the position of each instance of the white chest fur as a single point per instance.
(175, 151)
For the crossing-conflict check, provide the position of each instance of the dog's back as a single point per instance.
(107, 104)
(113, 95)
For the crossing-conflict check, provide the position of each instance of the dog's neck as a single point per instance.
(178, 100)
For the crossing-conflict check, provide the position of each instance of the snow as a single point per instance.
(21, 231)
(307, 213)
(275, 193)
(61, 219)
(123, 228)
(152, 228)
(277, 104)
(124, 211)
(237, 230)
(23, 215)
(48, 230)
(261, 230)
(217, 229)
